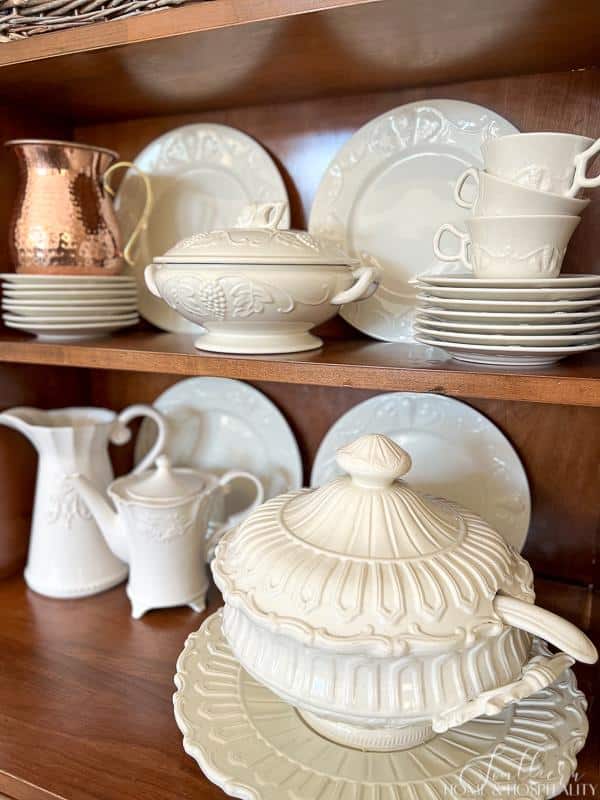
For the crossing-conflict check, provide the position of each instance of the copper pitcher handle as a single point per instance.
(143, 220)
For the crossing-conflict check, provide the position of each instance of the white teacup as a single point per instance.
(547, 162)
(510, 247)
(496, 197)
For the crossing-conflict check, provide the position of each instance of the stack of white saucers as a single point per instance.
(66, 307)
(509, 321)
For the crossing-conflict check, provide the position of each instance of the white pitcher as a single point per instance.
(68, 556)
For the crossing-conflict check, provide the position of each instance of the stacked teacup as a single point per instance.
(512, 305)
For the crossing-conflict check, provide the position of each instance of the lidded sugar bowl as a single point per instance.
(382, 614)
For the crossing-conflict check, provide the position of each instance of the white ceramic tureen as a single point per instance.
(257, 288)
(382, 614)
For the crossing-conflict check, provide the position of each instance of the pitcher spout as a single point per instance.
(20, 419)
(103, 512)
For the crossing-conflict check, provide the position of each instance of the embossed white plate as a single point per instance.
(505, 355)
(495, 293)
(510, 317)
(202, 176)
(466, 280)
(256, 747)
(546, 306)
(218, 424)
(536, 339)
(456, 453)
(388, 190)
(430, 321)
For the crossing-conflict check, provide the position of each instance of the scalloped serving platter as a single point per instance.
(256, 747)
(456, 452)
(388, 190)
(202, 176)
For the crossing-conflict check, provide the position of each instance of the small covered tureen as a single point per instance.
(256, 288)
(382, 614)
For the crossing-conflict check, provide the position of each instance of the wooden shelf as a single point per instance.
(85, 697)
(357, 363)
(181, 59)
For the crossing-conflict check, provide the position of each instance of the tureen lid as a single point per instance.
(163, 484)
(256, 239)
(366, 563)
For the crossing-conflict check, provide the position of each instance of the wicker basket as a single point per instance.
(22, 18)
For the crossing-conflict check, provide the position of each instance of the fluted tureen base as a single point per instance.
(381, 740)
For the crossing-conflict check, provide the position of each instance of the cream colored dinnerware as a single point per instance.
(511, 317)
(547, 162)
(259, 289)
(547, 306)
(217, 425)
(202, 177)
(505, 355)
(158, 523)
(513, 247)
(384, 615)
(496, 197)
(67, 554)
(434, 323)
(521, 293)
(252, 744)
(63, 331)
(535, 339)
(387, 191)
(467, 280)
(449, 443)
(66, 307)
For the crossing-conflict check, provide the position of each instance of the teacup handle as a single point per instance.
(463, 253)
(142, 223)
(472, 173)
(580, 179)
(121, 433)
(233, 519)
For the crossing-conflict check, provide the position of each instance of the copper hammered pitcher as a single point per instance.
(63, 222)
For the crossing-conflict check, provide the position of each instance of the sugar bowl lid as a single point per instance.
(256, 239)
(367, 564)
(163, 485)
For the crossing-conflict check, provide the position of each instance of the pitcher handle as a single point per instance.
(142, 223)
(233, 519)
(121, 433)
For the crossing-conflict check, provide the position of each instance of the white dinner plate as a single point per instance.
(388, 190)
(71, 319)
(456, 453)
(57, 306)
(66, 331)
(83, 281)
(506, 305)
(510, 317)
(218, 424)
(535, 294)
(73, 295)
(424, 320)
(504, 355)
(202, 176)
(466, 280)
(537, 340)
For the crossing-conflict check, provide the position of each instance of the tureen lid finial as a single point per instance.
(374, 461)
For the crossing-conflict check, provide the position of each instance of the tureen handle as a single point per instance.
(554, 629)
(373, 461)
(368, 276)
(261, 215)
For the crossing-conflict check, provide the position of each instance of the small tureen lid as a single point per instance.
(256, 239)
(367, 564)
(163, 484)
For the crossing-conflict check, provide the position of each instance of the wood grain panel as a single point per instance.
(304, 137)
(85, 697)
(559, 447)
(224, 56)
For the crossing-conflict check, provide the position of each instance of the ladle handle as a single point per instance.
(554, 629)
